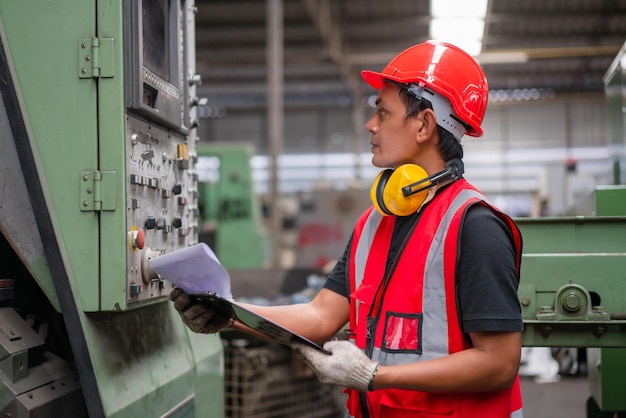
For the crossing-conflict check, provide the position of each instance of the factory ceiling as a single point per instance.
(560, 46)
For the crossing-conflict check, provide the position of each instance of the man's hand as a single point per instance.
(199, 317)
(346, 366)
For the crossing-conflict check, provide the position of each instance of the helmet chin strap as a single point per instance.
(446, 116)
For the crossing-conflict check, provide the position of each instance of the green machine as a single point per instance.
(230, 214)
(97, 176)
(573, 285)
(572, 293)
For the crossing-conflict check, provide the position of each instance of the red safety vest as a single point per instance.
(419, 300)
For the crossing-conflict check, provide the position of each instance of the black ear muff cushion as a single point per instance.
(377, 192)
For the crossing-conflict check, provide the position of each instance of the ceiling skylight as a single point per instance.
(460, 22)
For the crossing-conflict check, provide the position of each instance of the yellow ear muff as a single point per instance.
(378, 189)
(386, 192)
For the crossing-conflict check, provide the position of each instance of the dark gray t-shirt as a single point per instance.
(486, 276)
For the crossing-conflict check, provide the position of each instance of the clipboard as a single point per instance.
(270, 329)
(200, 274)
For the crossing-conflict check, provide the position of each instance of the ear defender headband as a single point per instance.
(402, 191)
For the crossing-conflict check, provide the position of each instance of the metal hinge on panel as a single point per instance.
(97, 191)
(96, 58)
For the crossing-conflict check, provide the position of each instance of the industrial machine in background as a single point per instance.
(230, 212)
(572, 292)
(574, 273)
(97, 176)
(324, 224)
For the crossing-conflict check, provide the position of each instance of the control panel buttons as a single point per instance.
(135, 289)
(150, 222)
(161, 199)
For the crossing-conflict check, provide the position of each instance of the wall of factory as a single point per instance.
(536, 157)
(574, 121)
(307, 131)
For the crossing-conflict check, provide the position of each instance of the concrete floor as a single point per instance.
(565, 398)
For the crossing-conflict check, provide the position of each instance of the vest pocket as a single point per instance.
(397, 403)
(402, 333)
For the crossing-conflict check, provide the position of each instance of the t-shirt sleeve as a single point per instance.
(337, 280)
(486, 274)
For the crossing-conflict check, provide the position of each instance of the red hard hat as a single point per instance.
(446, 69)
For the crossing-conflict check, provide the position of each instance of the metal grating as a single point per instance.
(268, 382)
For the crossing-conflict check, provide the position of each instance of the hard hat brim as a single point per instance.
(376, 79)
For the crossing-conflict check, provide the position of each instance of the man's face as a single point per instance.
(393, 136)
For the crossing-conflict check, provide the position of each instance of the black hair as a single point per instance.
(449, 146)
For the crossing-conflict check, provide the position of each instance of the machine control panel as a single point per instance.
(162, 205)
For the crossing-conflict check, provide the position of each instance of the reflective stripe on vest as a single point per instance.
(362, 250)
(434, 295)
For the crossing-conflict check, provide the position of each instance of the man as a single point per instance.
(428, 281)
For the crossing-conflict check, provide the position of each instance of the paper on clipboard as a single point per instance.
(194, 269)
(197, 270)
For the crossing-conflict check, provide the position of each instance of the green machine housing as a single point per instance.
(572, 292)
(573, 284)
(97, 174)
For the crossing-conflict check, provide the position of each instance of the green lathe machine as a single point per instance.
(97, 176)
(573, 286)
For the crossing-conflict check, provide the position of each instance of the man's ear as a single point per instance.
(428, 127)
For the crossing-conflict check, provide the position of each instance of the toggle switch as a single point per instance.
(147, 155)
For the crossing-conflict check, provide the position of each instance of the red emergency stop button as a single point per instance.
(138, 239)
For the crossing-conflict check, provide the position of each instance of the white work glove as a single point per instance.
(346, 366)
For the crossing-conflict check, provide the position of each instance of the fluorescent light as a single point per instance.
(464, 32)
(502, 57)
(459, 22)
(458, 8)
